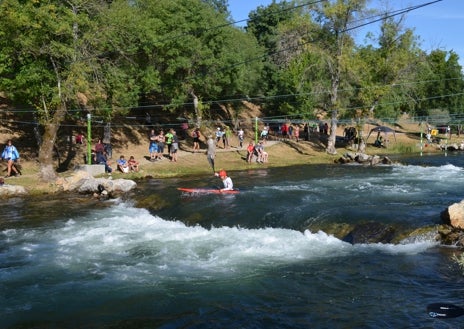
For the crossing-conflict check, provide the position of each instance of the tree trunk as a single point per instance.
(197, 110)
(333, 134)
(47, 172)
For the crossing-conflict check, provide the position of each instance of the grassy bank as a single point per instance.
(281, 154)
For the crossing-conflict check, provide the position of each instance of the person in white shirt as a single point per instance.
(226, 180)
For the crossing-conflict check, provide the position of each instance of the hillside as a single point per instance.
(130, 139)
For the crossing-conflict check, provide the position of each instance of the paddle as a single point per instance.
(440, 310)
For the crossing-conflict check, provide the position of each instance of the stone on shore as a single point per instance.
(363, 158)
(7, 190)
(83, 182)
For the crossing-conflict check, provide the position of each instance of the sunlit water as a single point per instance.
(235, 261)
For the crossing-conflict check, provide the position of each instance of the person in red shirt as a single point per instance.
(250, 152)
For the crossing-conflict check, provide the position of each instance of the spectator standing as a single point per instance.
(11, 154)
(306, 132)
(99, 147)
(169, 136)
(264, 133)
(79, 138)
(290, 131)
(241, 136)
(218, 136)
(296, 133)
(284, 130)
(153, 147)
(161, 141)
(196, 139)
(174, 146)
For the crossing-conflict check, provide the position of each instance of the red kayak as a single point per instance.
(206, 190)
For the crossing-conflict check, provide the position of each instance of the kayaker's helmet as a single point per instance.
(222, 173)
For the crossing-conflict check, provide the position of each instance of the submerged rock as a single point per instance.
(371, 232)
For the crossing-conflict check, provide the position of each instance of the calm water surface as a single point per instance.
(252, 260)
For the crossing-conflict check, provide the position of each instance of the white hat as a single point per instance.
(219, 128)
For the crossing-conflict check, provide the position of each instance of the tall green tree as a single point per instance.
(302, 79)
(198, 53)
(389, 71)
(263, 24)
(445, 84)
(336, 44)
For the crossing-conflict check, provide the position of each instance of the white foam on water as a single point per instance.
(444, 172)
(127, 243)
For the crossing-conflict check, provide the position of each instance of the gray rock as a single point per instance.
(7, 190)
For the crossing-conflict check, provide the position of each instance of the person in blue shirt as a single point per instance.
(11, 154)
(123, 166)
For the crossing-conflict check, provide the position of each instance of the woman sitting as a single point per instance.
(133, 164)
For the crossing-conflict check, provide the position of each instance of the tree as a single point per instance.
(197, 52)
(302, 76)
(54, 51)
(335, 18)
(445, 84)
(263, 24)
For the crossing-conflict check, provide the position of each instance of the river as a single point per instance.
(252, 260)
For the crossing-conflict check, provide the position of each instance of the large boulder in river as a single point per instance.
(454, 215)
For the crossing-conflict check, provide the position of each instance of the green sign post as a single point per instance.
(89, 140)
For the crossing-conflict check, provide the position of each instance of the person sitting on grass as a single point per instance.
(259, 152)
(123, 166)
(133, 164)
(263, 154)
(379, 142)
